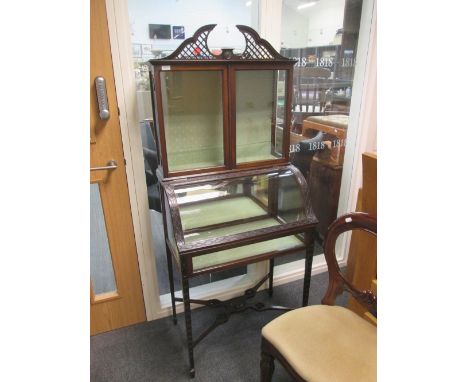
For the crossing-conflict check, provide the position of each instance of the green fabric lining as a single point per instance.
(222, 257)
(218, 211)
(253, 152)
(213, 156)
(193, 160)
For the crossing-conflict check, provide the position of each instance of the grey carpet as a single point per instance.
(156, 350)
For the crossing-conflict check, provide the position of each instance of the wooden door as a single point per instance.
(116, 292)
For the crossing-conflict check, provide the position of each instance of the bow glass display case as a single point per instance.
(229, 195)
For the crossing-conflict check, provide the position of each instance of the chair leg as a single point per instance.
(267, 367)
(308, 268)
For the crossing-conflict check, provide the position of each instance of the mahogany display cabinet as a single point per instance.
(229, 195)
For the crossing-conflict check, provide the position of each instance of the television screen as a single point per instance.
(160, 31)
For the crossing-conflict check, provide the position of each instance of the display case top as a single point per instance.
(195, 49)
(212, 213)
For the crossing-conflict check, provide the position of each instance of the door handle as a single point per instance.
(111, 165)
(101, 93)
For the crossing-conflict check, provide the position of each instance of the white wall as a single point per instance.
(192, 14)
(294, 28)
(324, 19)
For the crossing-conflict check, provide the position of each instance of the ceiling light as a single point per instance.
(306, 5)
(248, 3)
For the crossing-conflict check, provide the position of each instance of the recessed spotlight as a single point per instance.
(306, 5)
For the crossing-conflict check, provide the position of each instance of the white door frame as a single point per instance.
(119, 27)
(121, 48)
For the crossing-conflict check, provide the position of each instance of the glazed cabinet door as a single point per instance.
(193, 122)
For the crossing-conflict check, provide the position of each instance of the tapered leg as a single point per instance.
(170, 271)
(308, 268)
(188, 324)
(270, 277)
(267, 367)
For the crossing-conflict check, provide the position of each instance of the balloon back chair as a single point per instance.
(326, 343)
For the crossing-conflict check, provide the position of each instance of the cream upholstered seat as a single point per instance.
(325, 344)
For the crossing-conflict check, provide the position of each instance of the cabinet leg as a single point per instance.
(188, 324)
(308, 270)
(171, 283)
(270, 277)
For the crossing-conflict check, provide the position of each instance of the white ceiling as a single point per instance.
(310, 10)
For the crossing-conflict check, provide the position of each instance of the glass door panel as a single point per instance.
(102, 270)
(193, 118)
(259, 114)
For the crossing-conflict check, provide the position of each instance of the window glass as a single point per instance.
(323, 37)
(157, 28)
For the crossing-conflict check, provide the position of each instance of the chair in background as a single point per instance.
(323, 343)
(151, 163)
(310, 87)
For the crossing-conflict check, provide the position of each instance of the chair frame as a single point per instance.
(336, 285)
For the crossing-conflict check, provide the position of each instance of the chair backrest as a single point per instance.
(310, 85)
(337, 281)
(313, 72)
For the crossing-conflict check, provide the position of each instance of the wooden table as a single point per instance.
(335, 128)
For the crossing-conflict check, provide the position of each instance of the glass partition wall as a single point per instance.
(323, 38)
(157, 28)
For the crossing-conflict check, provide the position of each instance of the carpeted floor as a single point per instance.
(156, 350)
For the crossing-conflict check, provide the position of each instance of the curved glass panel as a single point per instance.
(224, 207)
(287, 243)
